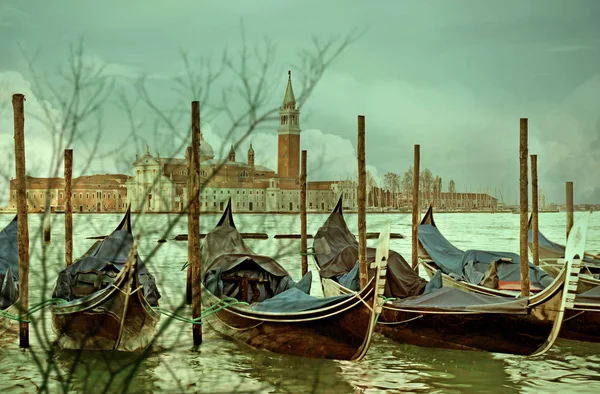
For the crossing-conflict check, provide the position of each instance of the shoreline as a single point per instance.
(281, 212)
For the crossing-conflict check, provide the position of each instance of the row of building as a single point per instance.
(159, 184)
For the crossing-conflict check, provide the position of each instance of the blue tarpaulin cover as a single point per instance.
(336, 250)
(471, 265)
(9, 265)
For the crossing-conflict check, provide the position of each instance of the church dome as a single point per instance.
(206, 151)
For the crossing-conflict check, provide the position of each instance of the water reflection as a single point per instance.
(571, 366)
(393, 367)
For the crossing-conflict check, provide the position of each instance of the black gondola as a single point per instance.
(279, 314)
(109, 297)
(9, 272)
(432, 315)
(498, 273)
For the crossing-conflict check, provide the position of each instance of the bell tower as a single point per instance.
(288, 132)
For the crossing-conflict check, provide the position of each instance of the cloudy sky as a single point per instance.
(452, 76)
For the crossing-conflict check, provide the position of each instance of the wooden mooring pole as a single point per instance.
(47, 221)
(23, 231)
(188, 282)
(416, 209)
(569, 207)
(534, 211)
(68, 162)
(194, 218)
(362, 209)
(303, 244)
(524, 255)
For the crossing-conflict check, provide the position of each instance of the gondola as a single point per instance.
(108, 297)
(498, 273)
(550, 252)
(9, 273)
(432, 315)
(272, 312)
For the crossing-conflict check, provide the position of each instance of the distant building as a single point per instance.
(93, 193)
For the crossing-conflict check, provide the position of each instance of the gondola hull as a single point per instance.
(116, 318)
(581, 325)
(299, 325)
(505, 333)
(340, 332)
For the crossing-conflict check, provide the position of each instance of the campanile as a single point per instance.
(288, 132)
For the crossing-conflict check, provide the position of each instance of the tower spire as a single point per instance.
(289, 92)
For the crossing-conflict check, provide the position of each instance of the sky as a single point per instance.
(454, 77)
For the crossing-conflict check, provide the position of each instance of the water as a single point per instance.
(223, 366)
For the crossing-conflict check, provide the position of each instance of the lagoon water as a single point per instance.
(223, 366)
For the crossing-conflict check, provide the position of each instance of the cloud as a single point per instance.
(95, 63)
(464, 134)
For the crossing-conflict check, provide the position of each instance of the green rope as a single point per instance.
(218, 306)
(307, 251)
(385, 300)
(33, 309)
(185, 265)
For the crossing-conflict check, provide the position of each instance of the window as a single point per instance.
(80, 195)
(108, 195)
(61, 195)
(87, 195)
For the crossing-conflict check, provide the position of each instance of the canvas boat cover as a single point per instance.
(556, 248)
(591, 296)
(336, 252)
(232, 269)
(9, 265)
(472, 265)
(103, 261)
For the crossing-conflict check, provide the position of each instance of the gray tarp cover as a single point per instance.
(110, 254)
(225, 253)
(336, 251)
(9, 265)
(589, 297)
(450, 299)
(471, 265)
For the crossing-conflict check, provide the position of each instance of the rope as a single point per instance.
(34, 309)
(218, 306)
(307, 252)
(385, 300)
(185, 265)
